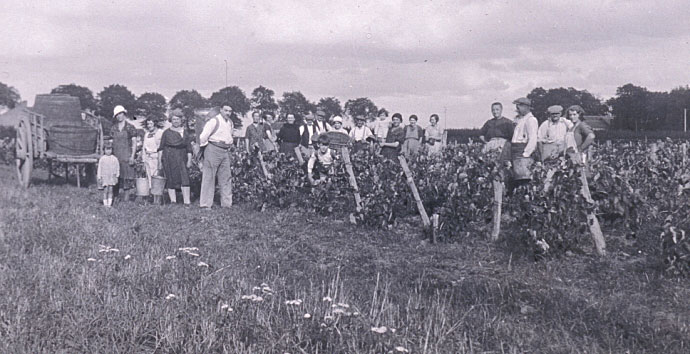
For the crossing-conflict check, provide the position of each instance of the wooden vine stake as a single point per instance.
(592, 220)
(263, 165)
(298, 152)
(352, 179)
(410, 182)
(434, 227)
(498, 203)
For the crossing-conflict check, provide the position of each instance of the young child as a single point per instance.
(321, 160)
(108, 173)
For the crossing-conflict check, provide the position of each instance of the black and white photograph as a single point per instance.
(310, 176)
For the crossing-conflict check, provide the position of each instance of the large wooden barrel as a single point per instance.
(72, 140)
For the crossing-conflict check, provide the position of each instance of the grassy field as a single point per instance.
(76, 277)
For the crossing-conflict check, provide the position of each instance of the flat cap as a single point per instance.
(555, 109)
(320, 113)
(523, 101)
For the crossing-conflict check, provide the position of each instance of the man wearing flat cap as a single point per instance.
(551, 134)
(524, 140)
(321, 122)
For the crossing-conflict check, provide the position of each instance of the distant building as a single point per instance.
(599, 123)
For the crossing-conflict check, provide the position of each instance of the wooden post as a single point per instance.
(498, 202)
(592, 220)
(353, 180)
(434, 227)
(263, 165)
(298, 152)
(684, 150)
(410, 182)
(78, 175)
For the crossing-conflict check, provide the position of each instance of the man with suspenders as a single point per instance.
(217, 139)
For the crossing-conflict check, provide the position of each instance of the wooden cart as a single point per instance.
(32, 144)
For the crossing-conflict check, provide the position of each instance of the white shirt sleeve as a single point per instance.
(541, 134)
(532, 131)
(208, 129)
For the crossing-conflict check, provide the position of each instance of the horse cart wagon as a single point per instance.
(55, 130)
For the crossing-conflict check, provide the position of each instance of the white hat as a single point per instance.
(337, 119)
(118, 109)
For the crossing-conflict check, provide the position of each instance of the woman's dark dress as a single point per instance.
(175, 149)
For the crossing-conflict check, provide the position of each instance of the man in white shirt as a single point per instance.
(524, 140)
(217, 139)
(551, 134)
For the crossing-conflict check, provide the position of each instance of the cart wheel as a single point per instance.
(25, 158)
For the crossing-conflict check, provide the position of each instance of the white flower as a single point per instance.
(193, 254)
(294, 302)
(170, 257)
(256, 288)
(170, 297)
(266, 289)
(328, 317)
(380, 330)
(187, 249)
(327, 298)
(91, 259)
(307, 316)
(252, 297)
(401, 349)
(226, 307)
(127, 257)
(202, 264)
(393, 330)
(343, 305)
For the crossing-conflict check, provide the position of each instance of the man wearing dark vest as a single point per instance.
(217, 138)
(321, 122)
(307, 132)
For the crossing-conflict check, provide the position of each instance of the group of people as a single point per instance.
(171, 152)
(388, 134)
(524, 138)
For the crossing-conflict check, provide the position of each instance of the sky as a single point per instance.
(453, 58)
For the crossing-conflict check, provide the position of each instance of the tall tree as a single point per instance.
(361, 107)
(262, 100)
(9, 96)
(188, 101)
(112, 96)
(86, 99)
(565, 97)
(151, 104)
(679, 99)
(629, 107)
(232, 95)
(331, 106)
(295, 103)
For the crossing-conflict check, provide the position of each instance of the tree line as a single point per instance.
(633, 107)
(153, 104)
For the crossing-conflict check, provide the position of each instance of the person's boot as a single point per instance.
(186, 195)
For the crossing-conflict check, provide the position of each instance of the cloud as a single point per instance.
(407, 55)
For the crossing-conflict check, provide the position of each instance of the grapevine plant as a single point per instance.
(637, 196)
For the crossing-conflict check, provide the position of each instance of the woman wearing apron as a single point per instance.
(124, 137)
(152, 140)
(433, 136)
